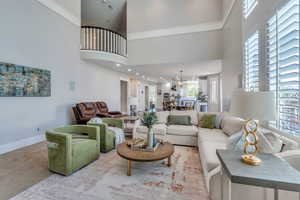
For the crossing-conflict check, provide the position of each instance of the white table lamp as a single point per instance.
(253, 106)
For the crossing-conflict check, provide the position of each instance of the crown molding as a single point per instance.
(213, 26)
(54, 6)
(226, 17)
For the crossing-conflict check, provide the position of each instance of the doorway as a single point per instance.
(214, 93)
(124, 96)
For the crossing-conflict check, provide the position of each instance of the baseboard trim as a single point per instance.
(21, 143)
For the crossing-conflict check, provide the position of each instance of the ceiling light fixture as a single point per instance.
(129, 70)
(137, 74)
(118, 65)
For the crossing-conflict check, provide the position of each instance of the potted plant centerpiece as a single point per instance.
(148, 120)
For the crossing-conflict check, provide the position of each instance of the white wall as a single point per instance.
(232, 54)
(176, 49)
(157, 14)
(33, 35)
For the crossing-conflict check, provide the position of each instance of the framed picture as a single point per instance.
(22, 81)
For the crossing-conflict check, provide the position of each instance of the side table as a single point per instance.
(273, 173)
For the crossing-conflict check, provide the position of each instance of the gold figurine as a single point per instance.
(251, 141)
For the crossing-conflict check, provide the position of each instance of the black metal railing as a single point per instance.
(101, 39)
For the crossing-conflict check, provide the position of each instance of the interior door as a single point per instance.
(214, 93)
(124, 96)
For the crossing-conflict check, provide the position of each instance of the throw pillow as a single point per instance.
(288, 144)
(208, 121)
(95, 120)
(275, 141)
(234, 139)
(179, 120)
(218, 120)
(231, 125)
(267, 143)
(192, 113)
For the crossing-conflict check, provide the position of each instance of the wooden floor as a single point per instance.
(22, 168)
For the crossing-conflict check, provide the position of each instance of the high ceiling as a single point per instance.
(110, 14)
(145, 15)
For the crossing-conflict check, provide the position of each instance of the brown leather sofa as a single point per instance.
(86, 110)
(103, 109)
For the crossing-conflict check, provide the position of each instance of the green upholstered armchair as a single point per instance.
(107, 136)
(72, 147)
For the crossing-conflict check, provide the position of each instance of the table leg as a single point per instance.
(129, 168)
(225, 186)
(169, 161)
(276, 197)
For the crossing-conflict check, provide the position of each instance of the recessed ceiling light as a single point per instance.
(129, 70)
(118, 65)
(137, 74)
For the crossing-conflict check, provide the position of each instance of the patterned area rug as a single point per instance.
(106, 179)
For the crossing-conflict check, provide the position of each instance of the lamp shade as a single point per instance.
(254, 105)
(133, 101)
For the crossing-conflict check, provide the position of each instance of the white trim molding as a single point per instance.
(21, 143)
(212, 26)
(227, 14)
(102, 56)
(54, 6)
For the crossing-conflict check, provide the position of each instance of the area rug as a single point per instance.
(106, 179)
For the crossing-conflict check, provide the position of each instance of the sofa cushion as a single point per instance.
(212, 135)
(179, 120)
(287, 143)
(192, 113)
(182, 130)
(159, 129)
(231, 125)
(209, 150)
(208, 121)
(162, 116)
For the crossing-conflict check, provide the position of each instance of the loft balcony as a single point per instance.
(103, 46)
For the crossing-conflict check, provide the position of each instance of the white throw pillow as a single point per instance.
(274, 140)
(231, 125)
(95, 120)
(267, 143)
(287, 143)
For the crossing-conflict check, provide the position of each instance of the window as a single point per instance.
(283, 65)
(251, 59)
(248, 7)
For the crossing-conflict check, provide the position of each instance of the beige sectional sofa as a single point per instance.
(208, 141)
(176, 134)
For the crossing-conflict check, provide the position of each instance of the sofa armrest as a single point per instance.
(60, 149)
(114, 122)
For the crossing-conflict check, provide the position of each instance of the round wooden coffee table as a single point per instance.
(162, 152)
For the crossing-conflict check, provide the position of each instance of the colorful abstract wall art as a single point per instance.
(21, 81)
